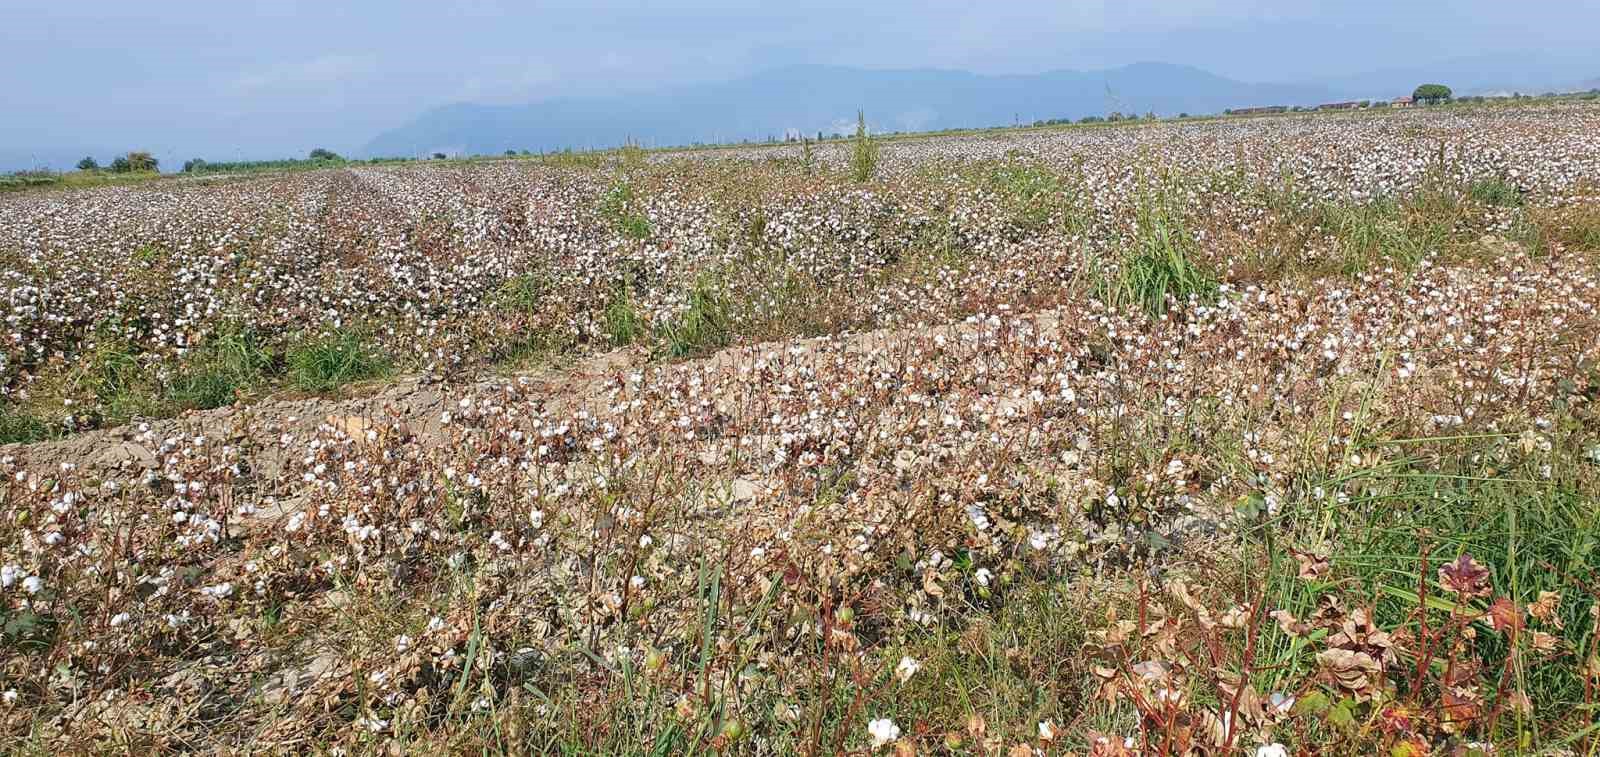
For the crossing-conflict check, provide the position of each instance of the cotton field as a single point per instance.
(1256, 436)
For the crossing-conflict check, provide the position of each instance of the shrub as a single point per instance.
(88, 164)
(333, 360)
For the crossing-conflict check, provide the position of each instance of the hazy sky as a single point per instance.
(230, 78)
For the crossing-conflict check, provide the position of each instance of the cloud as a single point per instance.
(324, 71)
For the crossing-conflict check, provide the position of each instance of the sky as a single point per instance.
(226, 80)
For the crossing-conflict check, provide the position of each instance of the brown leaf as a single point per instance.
(1465, 577)
(1504, 615)
(1312, 566)
(1545, 609)
(976, 727)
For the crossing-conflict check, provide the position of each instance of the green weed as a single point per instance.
(334, 360)
(232, 361)
(1161, 267)
(703, 326)
(1496, 192)
(622, 322)
(864, 152)
(618, 207)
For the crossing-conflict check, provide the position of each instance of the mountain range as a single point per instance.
(807, 99)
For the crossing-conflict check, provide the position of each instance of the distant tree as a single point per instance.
(439, 156)
(321, 154)
(1431, 94)
(120, 165)
(511, 153)
(142, 161)
(88, 164)
(194, 165)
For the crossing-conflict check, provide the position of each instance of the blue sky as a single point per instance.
(230, 79)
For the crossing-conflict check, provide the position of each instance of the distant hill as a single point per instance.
(808, 99)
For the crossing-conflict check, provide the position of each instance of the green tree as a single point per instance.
(120, 165)
(88, 164)
(1431, 94)
(195, 165)
(321, 154)
(142, 161)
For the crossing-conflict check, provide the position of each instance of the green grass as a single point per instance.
(522, 293)
(234, 360)
(619, 208)
(1033, 194)
(334, 360)
(1496, 192)
(622, 323)
(704, 326)
(19, 425)
(123, 389)
(72, 179)
(1536, 527)
(1161, 267)
(1537, 535)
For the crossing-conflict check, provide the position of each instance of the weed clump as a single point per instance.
(334, 360)
(618, 208)
(705, 325)
(1161, 269)
(18, 425)
(231, 362)
(864, 152)
(1496, 191)
(621, 320)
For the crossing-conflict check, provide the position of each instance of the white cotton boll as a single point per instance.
(33, 584)
(883, 732)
